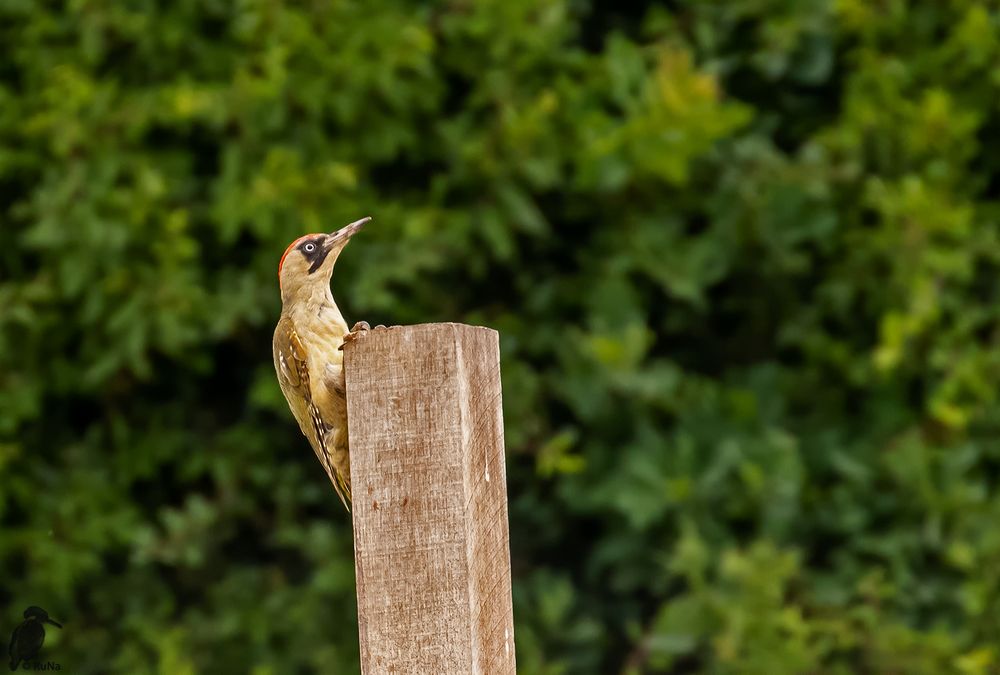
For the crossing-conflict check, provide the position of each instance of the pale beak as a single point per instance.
(346, 232)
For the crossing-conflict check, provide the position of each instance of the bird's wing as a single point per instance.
(292, 366)
(12, 650)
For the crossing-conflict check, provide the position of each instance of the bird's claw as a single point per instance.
(359, 329)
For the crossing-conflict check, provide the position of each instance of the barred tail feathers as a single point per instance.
(327, 439)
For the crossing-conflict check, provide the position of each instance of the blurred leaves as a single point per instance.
(743, 257)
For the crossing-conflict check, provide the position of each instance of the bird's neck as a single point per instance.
(315, 306)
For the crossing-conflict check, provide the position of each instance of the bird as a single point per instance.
(308, 349)
(28, 637)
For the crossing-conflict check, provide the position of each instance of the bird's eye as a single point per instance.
(309, 248)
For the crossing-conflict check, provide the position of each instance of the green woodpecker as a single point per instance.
(308, 343)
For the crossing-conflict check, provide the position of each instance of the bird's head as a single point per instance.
(38, 614)
(307, 263)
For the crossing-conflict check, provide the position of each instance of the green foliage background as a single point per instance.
(743, 257)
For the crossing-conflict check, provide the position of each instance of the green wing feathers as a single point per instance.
(292, 367)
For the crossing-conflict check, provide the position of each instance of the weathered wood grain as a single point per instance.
(431, 541)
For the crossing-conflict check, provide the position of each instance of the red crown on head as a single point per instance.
(288, 250)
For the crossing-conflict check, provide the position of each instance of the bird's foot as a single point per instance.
(360, 328)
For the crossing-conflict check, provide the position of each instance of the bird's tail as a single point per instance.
(14, 663)
(343, 489)
(337, 461)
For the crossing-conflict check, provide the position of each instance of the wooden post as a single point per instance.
(431, 544)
